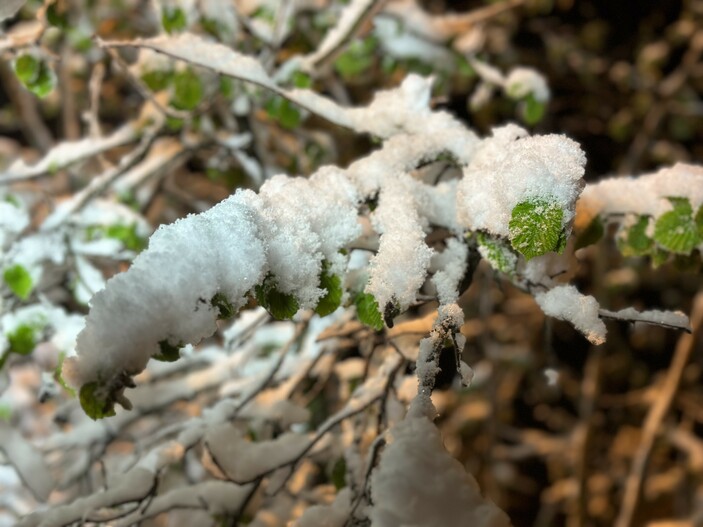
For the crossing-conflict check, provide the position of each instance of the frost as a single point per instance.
(566, 303)
(418, 483)
(509, 168)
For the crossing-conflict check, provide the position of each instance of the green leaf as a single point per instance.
(35, 74)
(280, 305)
(127, 234)
(367, 310)
(358, 57)
(635, 241)
(27, 69)
(535, 227)
(56, 17)
(301, 80)
(532, 110)
(22, 340)
(95, 405)
(339, 472)
(18, 280)
(283, 111)
(224, 307)
(59, 378)
(333, 298)
(497, 253)
(187, 90)
(169, 352)
(590, 234)
(173, 19)
(157, 80)
(676, 230)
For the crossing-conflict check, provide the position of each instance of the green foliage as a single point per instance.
(283, 111)
(338, 475)
(35, 74)
(368, 311)
(173, 19)
(18, 280)
(187, 90)
(95, 404)
(301, 79)
(56, 16)
(357, 58)
(498, 253)
(280, 305)
(59, 378)
(591, 234)
(224, 307)
(634, 240)
(535, 227)
(157, 80)
(22, 340)
(169, 352)
(677, 230)
(333, 298)
(127, 234)
(532, 110)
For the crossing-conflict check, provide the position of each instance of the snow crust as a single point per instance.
(564, 302)
(419, 484)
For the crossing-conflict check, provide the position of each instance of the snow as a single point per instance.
(452, 266)
(564, 302)
(644, 195)
(9, 8)
(418, 484)
(521, 82)
(673, 319)
(510, 167)
(69, 152)
(335, 514)
(402, 240)
(243, 461)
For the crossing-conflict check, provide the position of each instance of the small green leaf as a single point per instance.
(27, 69)
(339, 472)
(59, 378)
(280, 305)
(127, 234)
(18, 280)
(57, 17)
(535, 227)
(635, 241)
(169, 352)
(333, 298)
(367, 310)
(187, 90)
(225, 308)
(283, 111)
(157, 80)
(497, 253)
(590, 234)
(532, 110)
(173, 19)
(358, 57)
(301, 80)
(676, 230)
(22, 340)
(95, 405)
(35, 74)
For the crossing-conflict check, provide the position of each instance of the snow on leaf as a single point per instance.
(497, 253)
(677, 230)
(564, 302)
(282, 306)
(536, 227)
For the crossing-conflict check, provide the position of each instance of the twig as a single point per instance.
(653, 422)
